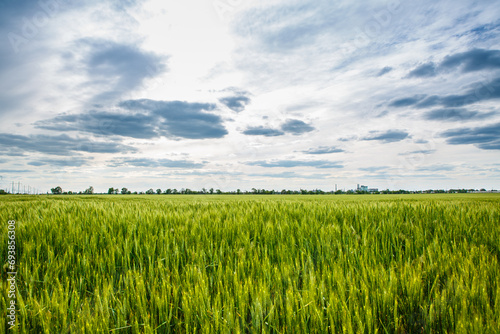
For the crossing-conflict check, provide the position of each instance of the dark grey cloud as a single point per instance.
(118, 68)
(296, 163)
(155, 163)
(145, 119)
(421, 141)
(73, 162)
(469, 61)
(293, 126)
(181, 119)
(36, 163)
(428, 101)
(262, 131)
(323, 150)
(296, 127)
(455, 114)
(138, 125)
(388, 136)
(480, 91)
(473, 60)
(11, 153)
(235, 103)
(484, 137)
(59, 145)
(423, 71)
(384, 71)
(406, 101)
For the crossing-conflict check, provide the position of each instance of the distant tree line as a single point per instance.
(58, 191)
(186, 191)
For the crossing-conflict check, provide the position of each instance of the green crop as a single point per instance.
(252, 264)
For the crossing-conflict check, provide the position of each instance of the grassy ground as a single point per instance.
(250, 263)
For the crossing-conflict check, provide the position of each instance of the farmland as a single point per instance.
(272, 264)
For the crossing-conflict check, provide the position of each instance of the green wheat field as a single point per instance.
(254, 264)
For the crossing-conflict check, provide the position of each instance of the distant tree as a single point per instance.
(218, 191)
(174, 191)
(168, 191)
(124, 191)
(238, 191)
(150, 191)
(57, 190)
(89, 190)
(3, 192)
(203, 190)
(111, 191)
(158, 191)
(211, 190)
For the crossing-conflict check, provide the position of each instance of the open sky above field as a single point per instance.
(240, 94)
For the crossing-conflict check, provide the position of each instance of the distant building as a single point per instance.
(365, 188)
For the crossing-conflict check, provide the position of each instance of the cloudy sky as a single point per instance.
(240, 94)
